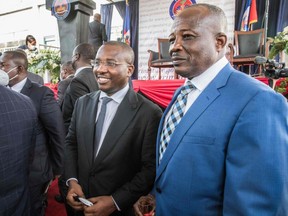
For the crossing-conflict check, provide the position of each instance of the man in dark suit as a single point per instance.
(84, 81)
(97, 33)
(66, 75)
(228, 155)
(116, 166)
(49, 150)
(18, 120)
(35, 78)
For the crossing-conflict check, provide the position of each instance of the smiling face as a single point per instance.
(113, 68)
(196, 41)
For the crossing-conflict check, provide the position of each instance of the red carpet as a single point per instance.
(54, 208)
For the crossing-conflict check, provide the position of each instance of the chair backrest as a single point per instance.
(250, 42)
(163, 48)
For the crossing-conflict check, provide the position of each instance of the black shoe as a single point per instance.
(59, 198)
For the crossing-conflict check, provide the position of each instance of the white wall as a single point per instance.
(155, 22)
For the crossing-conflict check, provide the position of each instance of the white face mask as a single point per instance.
(15, 75)
(4, 78)
(32, 47)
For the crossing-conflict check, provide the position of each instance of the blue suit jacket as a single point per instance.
(228, 155)
(18, 120)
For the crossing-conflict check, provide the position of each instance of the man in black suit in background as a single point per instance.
(49, 150)
(116, 167)
(66, 75)
(84, 80)
(18, 120)
(97, 33)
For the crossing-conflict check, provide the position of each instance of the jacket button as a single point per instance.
(158, 190)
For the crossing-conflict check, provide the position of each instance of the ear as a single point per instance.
(221, 41)
(20, 68)
(131, 69)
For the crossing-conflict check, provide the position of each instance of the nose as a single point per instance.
(176, 46)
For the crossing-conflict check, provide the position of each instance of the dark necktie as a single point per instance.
(99, 124)
(175, 117)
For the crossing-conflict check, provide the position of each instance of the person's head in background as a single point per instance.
(15, 64)
(97, 17)
(31, 42)
(66, 70)
(113, 66)
(82, 55)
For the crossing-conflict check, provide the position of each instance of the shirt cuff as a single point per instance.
(67, 182)
(116, 204)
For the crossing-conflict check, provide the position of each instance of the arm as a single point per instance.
(51, 118)
(256, 164)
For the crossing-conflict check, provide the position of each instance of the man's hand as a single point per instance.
(74, 190)
(103, 206)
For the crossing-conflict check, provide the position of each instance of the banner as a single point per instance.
(126, 30)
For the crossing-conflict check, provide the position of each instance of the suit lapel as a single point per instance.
(26, 90)
(124, 115)
(198, 107)
(90, 120)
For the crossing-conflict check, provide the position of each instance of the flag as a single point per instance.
(253, 18)
(126, 30)
(245, 17)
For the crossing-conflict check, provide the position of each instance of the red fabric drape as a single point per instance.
(161, 91)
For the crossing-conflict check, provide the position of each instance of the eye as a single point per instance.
(188, 37)
(171, 40)
(110, 64)
(96, 63)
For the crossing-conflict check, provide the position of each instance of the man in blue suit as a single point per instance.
(228, 155)
(17, 141)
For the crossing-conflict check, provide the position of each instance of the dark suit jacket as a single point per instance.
(35, 78)
(62, 86)
(96, 34)
(83, 83)
(17, 141)
(125, 164)
(49, 150)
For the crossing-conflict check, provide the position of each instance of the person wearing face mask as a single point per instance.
(49, 151)
(30, 44)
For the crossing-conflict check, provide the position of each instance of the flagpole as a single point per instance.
(266, 25)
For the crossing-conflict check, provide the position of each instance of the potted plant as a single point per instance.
(279, 43)
(45, 61)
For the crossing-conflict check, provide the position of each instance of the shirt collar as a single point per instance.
(118, 96)
(203, 80)
(18, 86)
(81, 68)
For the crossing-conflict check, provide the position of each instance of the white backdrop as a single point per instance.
(155, 22)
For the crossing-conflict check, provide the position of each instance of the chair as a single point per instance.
(160, 59)
(248, 45)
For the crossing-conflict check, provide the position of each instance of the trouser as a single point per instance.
(38, 199)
